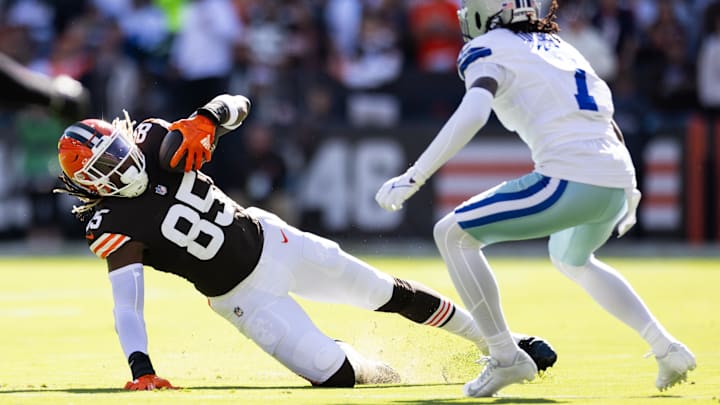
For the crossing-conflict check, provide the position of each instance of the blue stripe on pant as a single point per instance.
(508, 205)
(579, 217)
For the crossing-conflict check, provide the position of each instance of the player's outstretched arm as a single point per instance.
(199, 132)
(471, 115)
(126, 278)
(21, 86)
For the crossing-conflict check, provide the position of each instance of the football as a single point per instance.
(168, 147)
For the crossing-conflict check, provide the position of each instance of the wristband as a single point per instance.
(226, 110)
(216, 111)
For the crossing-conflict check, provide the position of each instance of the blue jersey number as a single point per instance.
(584, 99)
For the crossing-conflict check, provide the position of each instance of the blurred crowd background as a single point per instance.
(312, 65)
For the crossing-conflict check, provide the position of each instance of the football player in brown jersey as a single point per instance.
(145, 203)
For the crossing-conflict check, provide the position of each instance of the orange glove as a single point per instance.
(198, 140)
(148, 382)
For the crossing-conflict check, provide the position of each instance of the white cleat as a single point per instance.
(495, 376)
(673, 366)
(369, 371)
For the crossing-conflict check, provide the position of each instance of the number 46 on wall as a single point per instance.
(341, 181)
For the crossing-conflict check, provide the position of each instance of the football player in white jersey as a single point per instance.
(582, 187)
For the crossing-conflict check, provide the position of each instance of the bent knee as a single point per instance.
(443, 227)
(571, 271)
(447, 229)
(448, 234)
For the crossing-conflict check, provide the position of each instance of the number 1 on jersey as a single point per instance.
(584, 99)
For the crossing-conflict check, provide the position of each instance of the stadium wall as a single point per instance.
(335, 192)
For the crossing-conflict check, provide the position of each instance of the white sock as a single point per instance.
(657, 337)
(463, 325)
(610, 289)
(502, 347)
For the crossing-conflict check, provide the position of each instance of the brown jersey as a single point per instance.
(188, 226)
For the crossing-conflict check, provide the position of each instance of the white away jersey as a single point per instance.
(549, 94)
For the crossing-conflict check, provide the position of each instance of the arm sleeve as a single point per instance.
(471, 115)
(128, 296)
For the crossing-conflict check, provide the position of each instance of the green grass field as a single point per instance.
(58, 345)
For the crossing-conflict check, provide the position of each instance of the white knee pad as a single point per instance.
(266, 329)
(285, 332)
(310, 354)
(572, 272)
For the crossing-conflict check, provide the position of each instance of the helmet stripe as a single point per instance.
(83, 133)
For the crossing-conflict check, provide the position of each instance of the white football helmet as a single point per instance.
(480, 16)
(102, 158)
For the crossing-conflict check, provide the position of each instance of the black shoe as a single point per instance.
(541, 352)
